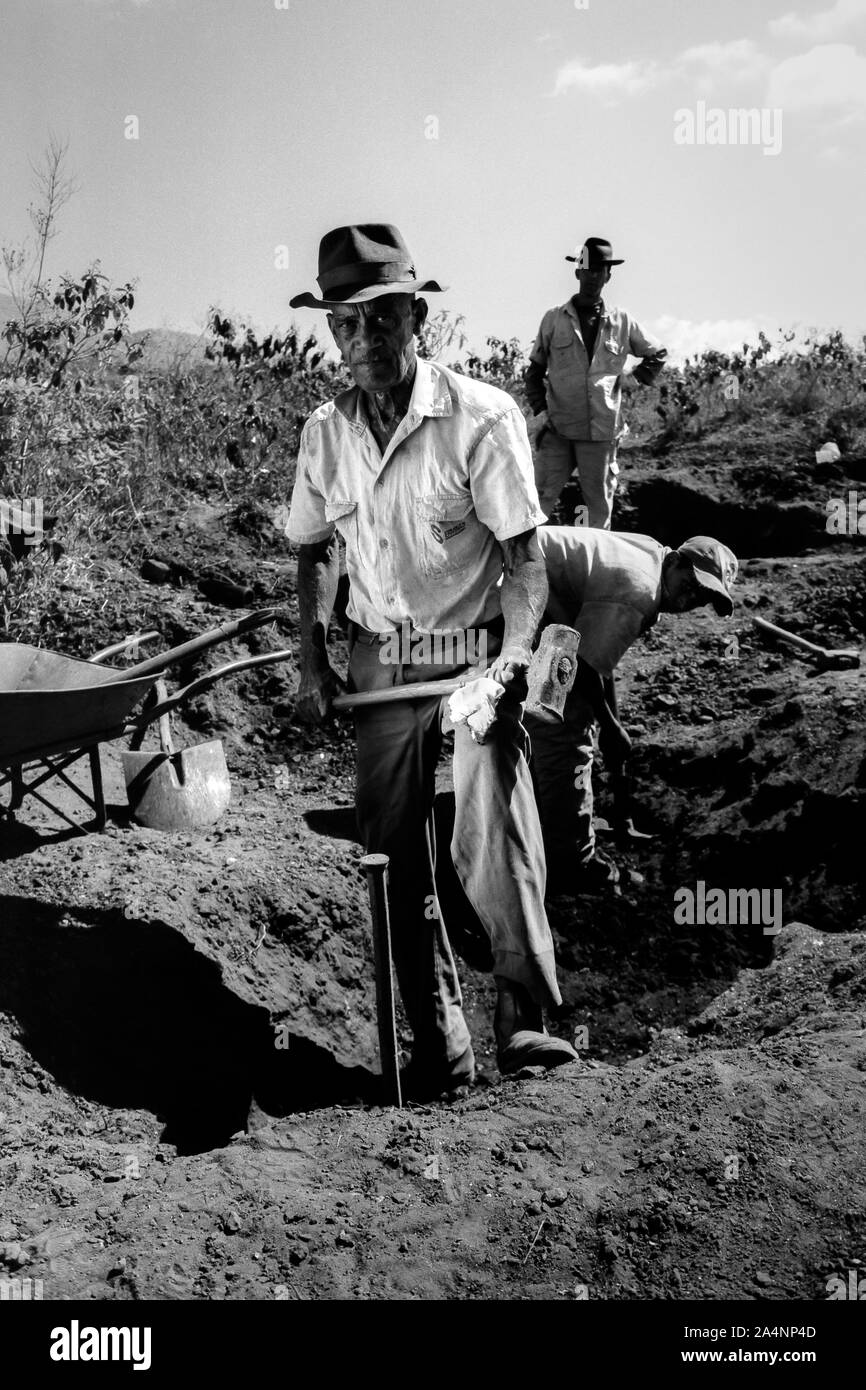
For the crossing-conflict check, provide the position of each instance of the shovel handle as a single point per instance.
(790, 637)
(164, 707)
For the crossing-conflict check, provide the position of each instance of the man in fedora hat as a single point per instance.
(573, 385)
(611, 586)
(427, 477)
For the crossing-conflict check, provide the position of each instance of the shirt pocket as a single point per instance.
(448, 533)
(613, 353)
(563, 343)
(344, 514)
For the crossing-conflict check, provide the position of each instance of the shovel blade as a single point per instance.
(178, 791)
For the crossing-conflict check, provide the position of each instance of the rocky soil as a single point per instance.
(189, 1106)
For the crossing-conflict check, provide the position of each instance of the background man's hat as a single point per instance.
(594, 254)
(360, 263)
(715, 568)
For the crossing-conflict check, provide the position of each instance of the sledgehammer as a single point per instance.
(550, 677)
(845, 660)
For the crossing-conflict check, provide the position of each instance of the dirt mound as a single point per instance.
(187, 1040)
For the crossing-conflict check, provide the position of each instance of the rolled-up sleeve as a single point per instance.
(307, 522)
(533, 381)
(502, 478)
(650, 349)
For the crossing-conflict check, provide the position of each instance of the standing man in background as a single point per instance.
(574, 384)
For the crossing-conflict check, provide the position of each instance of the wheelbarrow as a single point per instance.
(55, 710)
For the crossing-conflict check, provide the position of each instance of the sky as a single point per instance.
(496, 134)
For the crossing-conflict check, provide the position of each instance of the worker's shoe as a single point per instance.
(521, 1037)
(424, 1080)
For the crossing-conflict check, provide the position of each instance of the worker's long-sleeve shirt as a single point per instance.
(583, 395)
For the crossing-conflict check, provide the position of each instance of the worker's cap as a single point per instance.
(595, 253)
(715, 568)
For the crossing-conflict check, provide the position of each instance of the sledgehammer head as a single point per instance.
(551, 672)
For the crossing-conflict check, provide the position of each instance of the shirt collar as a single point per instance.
(431, 396)
(571, 308)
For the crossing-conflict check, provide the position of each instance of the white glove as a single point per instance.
(475, 704)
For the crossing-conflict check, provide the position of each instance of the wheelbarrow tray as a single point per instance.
(49, 701)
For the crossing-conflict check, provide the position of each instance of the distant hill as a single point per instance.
(169, 347)
(166, 347)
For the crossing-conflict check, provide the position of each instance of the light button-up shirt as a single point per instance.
(421, 521)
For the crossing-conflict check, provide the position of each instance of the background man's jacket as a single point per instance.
(583, 397)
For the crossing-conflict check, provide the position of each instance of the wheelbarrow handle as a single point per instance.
(160, 662)
(123, 646)
(204, 682)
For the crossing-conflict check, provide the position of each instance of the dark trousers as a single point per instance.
(496, 846)
(562, 755)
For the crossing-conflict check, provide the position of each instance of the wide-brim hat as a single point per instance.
(362, 262)
(594, 254)
(715, 569)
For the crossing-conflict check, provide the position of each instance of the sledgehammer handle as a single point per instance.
(375, 866)
(421, 690)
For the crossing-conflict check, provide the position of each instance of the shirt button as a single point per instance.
(383, 544)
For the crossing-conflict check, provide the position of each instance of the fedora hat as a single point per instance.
(594, 253)
(363, 262)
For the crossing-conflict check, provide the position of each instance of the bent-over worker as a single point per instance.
(611, 587)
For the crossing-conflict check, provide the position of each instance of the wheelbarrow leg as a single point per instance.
(98, 792)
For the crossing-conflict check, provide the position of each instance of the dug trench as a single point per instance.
(187, 1037)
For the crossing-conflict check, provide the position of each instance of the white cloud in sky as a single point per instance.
(684, 337)
(833, 74)
(738, 59)
(826, 24)
(605, 79)
(734, 61)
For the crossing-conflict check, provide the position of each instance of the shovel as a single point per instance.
(170, 790)
(189, 789)
(847, 659)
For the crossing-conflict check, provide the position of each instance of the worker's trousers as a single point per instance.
(597, 470)
(496, 844)
(562, 756)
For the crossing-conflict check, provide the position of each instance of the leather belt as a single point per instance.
(373, 639)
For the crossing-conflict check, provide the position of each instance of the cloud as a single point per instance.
(735, 61)
(827, 24)
(685, 338)
(739, 59)
(833, 74)
(606, 79)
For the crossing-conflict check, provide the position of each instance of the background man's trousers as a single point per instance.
(496, 846)
(597, 469)
(562, 773)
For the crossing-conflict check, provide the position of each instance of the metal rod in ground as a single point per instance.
(375, 866)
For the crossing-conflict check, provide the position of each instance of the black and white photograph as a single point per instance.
(432, 684)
